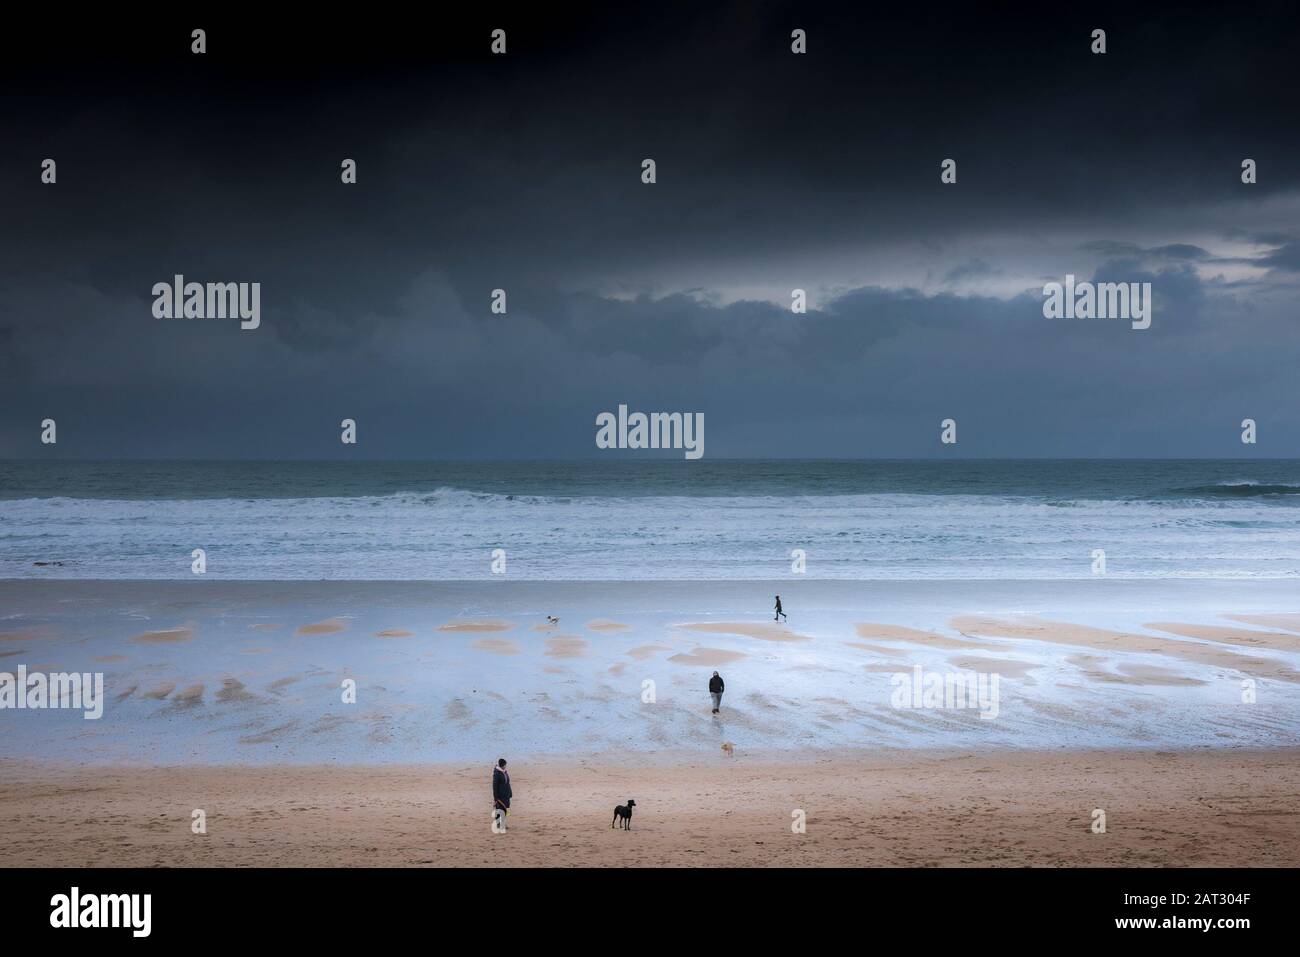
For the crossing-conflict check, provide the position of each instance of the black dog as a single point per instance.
(624, 811)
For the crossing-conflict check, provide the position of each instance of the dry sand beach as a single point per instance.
(1174, 809)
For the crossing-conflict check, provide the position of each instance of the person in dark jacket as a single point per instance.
(780, 613)
(501, 793)
(715, 690)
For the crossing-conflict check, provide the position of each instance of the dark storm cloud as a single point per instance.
(1173, 251)
(871, 373)
(1285, 257)
(523, 173)
(969, 270)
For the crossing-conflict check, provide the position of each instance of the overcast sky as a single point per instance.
(775, 171)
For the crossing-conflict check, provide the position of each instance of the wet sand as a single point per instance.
(223, 673)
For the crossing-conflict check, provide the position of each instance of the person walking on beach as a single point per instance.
(779, 613)
(715, 691)
(501, 793)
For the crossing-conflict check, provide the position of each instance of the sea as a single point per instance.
(638, 520)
